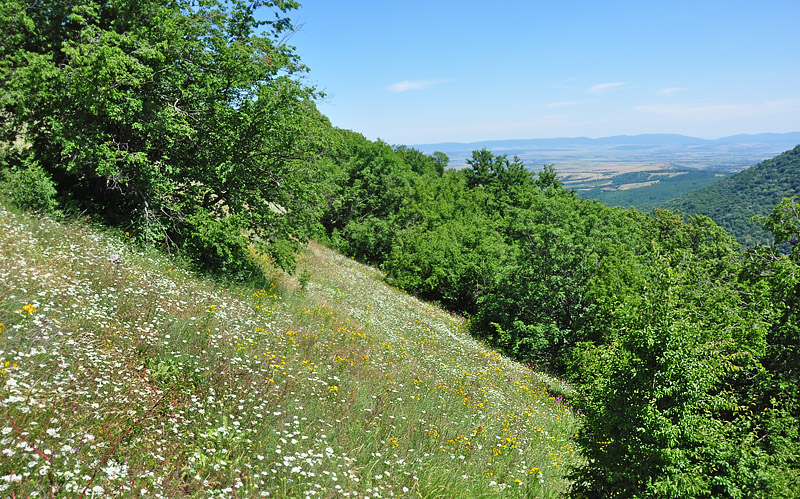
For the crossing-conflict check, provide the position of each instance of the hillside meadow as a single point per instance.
(125, 374)
(172, 326)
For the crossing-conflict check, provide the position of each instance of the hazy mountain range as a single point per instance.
(652, 140)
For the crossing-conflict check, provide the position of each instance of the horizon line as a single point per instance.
(584, 137)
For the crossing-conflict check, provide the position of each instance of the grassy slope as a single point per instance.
(138, 377)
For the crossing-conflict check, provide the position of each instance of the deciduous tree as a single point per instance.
(188, 122)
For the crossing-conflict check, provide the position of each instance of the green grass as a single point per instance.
(141, 378)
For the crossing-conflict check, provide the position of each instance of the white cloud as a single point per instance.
(721, 111)
(563, 83)
(554, 105)
(406, 85)
(669, 92)
(599, 89)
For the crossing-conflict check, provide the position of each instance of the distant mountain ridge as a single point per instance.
(732, 201)
(655, 139)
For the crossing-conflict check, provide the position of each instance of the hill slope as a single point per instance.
(646, 190)
(732, 201)
(123, 374)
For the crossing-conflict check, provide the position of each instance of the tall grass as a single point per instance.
(124, 374)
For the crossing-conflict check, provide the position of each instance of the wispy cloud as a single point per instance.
(406, 85)
(691, 111)
(669, 92)
(564, 83)
(554, 105)
(721, 111)
(603, 87)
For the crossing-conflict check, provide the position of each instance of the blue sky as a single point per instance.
(413, 72)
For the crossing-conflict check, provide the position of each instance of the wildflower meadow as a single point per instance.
(124, 374)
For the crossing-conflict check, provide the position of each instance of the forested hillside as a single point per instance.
(191, 130)
(733, 201)
(648, 189)
(673, 335)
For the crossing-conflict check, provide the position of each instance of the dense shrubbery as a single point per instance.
(29, 187)
(185, 123)
(684, 347)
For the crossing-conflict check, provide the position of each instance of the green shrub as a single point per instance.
(184, 123)
(30, 187)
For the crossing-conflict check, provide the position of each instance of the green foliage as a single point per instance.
(303, 279)
(30, 187)
(449, 262)
(695, 396)
(504, 179)
(538, 296)
(420, 163)
(775, 281)
(441, 160)
(784, 222)
(662, 416)
(187, 123)
(370, 185)
(570, 255)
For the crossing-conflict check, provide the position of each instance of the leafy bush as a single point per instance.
(365, 202)
(451, 263)
(187, 123)
(30, 187)
(694, 397)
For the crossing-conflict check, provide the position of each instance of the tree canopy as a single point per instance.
(189, 123)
